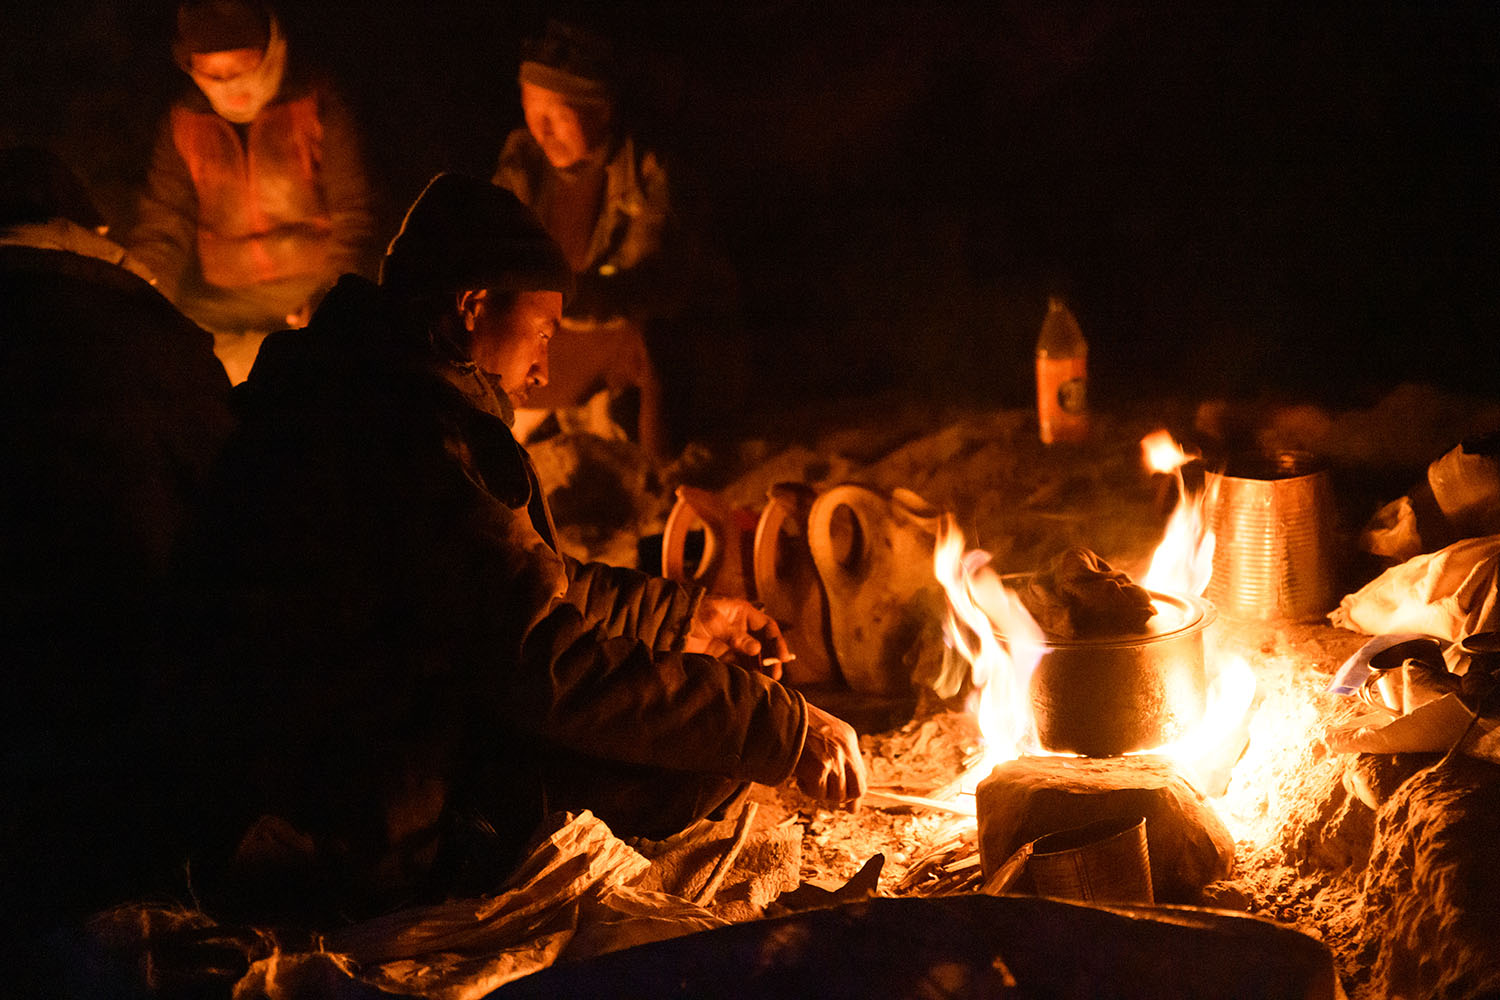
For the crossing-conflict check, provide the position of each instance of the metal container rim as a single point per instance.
(1198, 613)
(1093, 834)
(1271, 466)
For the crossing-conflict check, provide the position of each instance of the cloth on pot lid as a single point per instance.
(1078, 595)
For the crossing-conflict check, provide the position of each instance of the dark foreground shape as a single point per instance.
(962, 946)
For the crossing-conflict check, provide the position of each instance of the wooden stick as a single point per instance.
(879, 798)
(705, 895)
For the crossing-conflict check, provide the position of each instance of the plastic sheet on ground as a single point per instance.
(572, 895)
(1432, 728)
(576, 896)
(1449, 594)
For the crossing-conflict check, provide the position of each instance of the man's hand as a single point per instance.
(726, 625)
(830, 768)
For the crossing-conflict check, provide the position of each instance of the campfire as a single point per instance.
(998, 645)
(1165, 698)
(1268, 822)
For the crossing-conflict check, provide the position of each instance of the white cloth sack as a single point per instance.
(1448, 594)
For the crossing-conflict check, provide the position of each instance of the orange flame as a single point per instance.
(992, 633)
(997, 639)
(1206, 754)
(1184, 560)
(1161, 453)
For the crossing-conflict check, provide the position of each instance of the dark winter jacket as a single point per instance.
(396, 647)
(245, 224)
(112, 409)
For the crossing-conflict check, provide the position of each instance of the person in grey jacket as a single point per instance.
(605, 198)
(402, 672)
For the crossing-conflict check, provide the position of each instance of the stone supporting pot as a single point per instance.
(1022, 800)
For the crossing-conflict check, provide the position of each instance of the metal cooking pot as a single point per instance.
(1106, 697)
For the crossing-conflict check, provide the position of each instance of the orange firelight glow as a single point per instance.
(989, 630)
(1184, 561)
(981, 609)
(1182, 564)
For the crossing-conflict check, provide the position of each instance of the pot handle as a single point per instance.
(681, 522)
(865, 506)
(726, 533)
(781, 513)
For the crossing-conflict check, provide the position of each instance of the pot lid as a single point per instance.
(1176, 614)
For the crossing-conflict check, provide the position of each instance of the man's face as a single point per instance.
(226, 78)
(512, 344)
(566, 130)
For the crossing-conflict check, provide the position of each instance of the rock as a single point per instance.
(962, 946)
(1374, 777)
(1332, 827)
(1227, 896)
(1432, 891)
(1027, 798)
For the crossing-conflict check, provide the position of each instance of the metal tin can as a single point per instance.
(1272, 515)
(1106, 861)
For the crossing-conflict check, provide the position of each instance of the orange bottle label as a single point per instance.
(1062, 399)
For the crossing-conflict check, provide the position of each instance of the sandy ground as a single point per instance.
(1302, 840)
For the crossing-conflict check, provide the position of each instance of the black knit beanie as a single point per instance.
(463, 232)
(220, 26)
(36, 185)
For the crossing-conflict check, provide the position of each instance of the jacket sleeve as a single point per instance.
(346, 190)
(614, 699)
(642, 276)
(165, 235)
(626, 602)
(549, 662)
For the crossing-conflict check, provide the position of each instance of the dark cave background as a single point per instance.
(1274, 199)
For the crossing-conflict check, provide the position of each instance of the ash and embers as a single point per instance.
(1302, 839)
(1308, 853)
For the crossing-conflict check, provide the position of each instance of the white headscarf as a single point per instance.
(240, 99)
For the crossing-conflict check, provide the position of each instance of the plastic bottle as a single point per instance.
(1061, 376)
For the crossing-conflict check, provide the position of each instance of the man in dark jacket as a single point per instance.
(256, 199)
(408, 674)
(112, 409)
